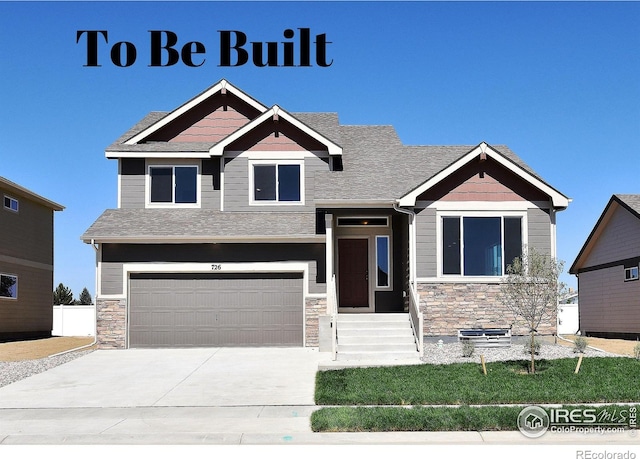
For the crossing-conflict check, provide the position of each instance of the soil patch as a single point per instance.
(615, 346)
(41, 348)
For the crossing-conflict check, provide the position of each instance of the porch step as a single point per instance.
(375, 337)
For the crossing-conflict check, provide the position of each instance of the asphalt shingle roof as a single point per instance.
(631, 200)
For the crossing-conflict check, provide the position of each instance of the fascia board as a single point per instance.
(558, 200)
(218, 149)
(157, 154)
(192, 103)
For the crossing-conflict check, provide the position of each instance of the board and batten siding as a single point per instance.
(237, 192)
(608, 304)
(539, 237)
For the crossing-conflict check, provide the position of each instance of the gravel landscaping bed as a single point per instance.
(452, 353)
(11, 372)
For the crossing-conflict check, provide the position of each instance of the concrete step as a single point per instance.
(378, 356)
(393, 347)
(405, 338)
(373, 325)
(392, 317)
(374, 332)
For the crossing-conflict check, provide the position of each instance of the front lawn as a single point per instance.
(600, 380)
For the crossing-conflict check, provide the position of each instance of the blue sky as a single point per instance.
(557, 82)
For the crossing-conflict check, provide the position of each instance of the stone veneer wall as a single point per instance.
(111, 323)
(314, 308)
(449, 307)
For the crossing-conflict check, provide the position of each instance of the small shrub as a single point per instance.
(468, 348)
(579, 345)
(536, 346)
(636, 351)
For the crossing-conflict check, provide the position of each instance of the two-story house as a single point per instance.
(26, 263)
(244, 225)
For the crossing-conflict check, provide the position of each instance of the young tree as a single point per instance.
(85, 297)
(62, 295)
(531, 291)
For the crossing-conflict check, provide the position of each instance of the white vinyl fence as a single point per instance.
(73, 320)
(568, 319)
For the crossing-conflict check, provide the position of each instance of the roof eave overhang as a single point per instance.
(201, 239)
(275, 112)
(354, 204)
(22, 192)
(558, 200)
(158, 154)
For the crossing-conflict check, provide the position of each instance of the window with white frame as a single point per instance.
(8, 286)
(479, 245)
(631, 274)
(173, 184)
(383, 262)
(11, 203)
(276, 182)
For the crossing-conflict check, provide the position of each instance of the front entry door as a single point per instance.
(353, 273)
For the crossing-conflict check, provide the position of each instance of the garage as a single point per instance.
(199, 310)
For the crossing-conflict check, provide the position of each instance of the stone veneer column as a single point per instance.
(111, 323)
(314, 307)
(449, 307)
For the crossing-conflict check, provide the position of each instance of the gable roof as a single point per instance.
(629, 202)
(20, 191)
(558, 199)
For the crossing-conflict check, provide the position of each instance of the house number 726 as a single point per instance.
(216, 267)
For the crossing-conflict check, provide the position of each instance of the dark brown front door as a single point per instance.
(353, 273)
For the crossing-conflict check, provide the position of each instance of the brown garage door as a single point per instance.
(191, 310)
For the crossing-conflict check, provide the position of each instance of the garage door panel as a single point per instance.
(203, 310)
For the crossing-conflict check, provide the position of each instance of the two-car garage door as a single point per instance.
(190, 310)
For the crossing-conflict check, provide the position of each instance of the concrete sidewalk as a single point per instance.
(219, 396)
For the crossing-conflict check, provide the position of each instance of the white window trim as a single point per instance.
(630, 270)
(11, 199)
(172, 205)
(277, 162)
(389, 263)
(10, 297)
(462, 214)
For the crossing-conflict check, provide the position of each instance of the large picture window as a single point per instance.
(8, 286)
(277, 183)
(480, 246)
(173, 184)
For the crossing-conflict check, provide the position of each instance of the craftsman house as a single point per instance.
(26, 263)
(240, 224)
(607, 269)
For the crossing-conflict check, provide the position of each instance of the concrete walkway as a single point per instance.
(219, 396)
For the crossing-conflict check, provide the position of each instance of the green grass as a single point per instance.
(416, 419)
(600, 380)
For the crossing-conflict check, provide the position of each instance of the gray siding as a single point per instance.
(608, 304)
(32, 311)
(133, 182)
(111, 279)
(426, 243)
(236, 186)
(619, 240)
(539, 230)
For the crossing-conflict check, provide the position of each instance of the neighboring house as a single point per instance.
(234, 217)
(607, 269)
(26, 263)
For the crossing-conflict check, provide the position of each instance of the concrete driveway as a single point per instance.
(203, 377)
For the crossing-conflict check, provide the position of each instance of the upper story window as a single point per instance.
(631, 273)
(11, 203)
(480, 246)
(279, 182)
(8, 286)
(173, 185)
